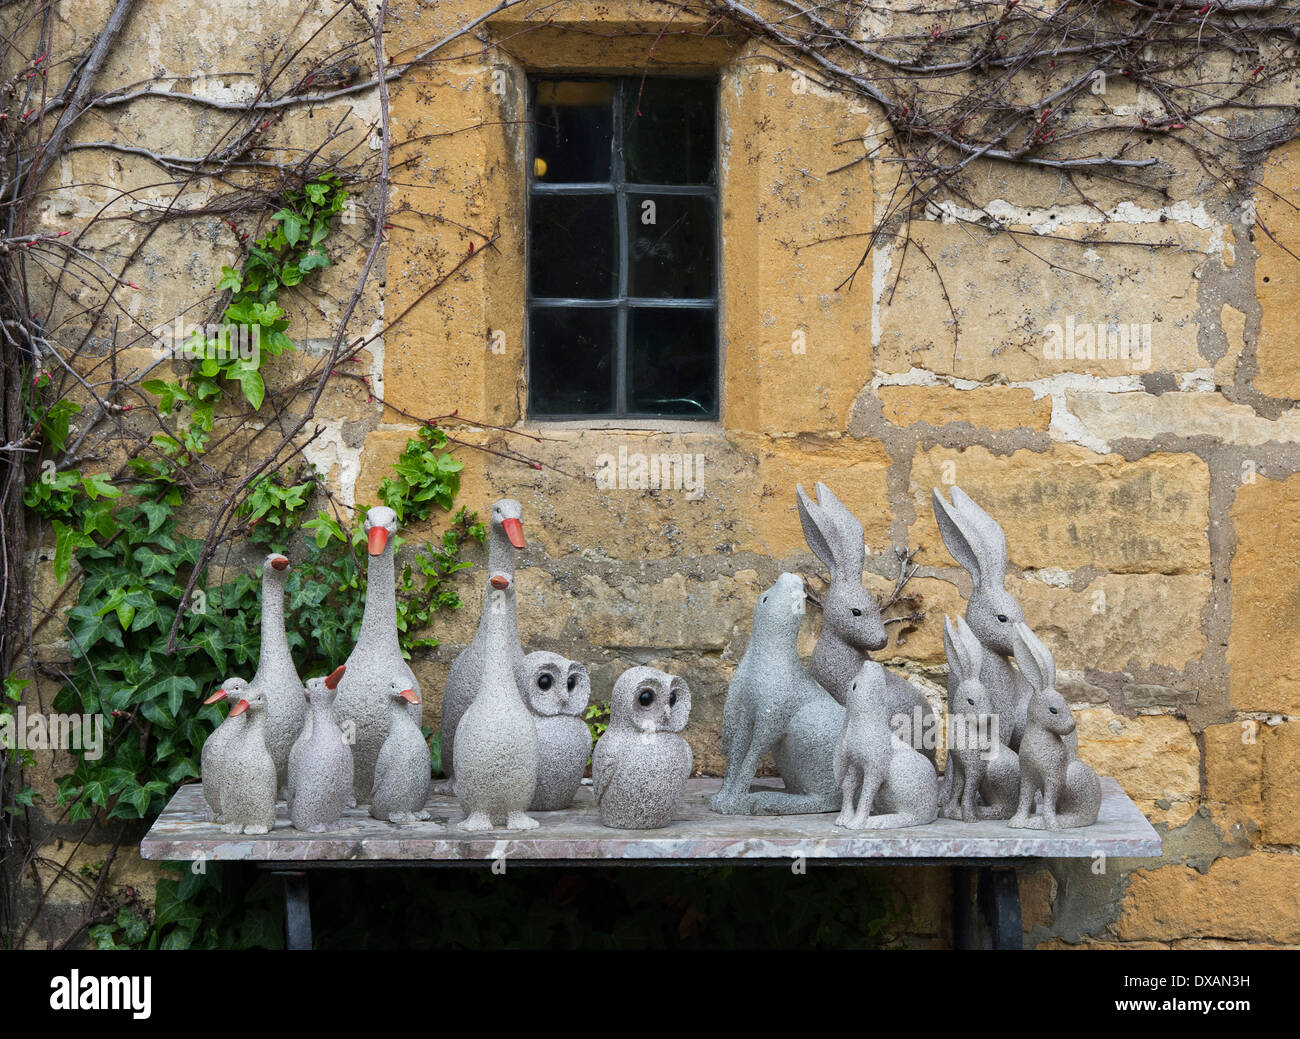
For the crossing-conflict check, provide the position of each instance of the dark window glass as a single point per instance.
(668, 131)
(572, 360)
(670, 245)
(575, 129)
(672, 361)
(573, 245)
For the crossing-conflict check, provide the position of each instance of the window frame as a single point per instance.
(621, 303)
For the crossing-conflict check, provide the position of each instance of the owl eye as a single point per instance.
(646, 698)
(1002, 617)
(544, 681)
(672, 699)
(857, 612)
(573, 680)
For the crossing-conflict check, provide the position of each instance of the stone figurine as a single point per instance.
(362, 702)
(851, 622)
(248, 780)
(641, 763)
(320, 766)
(983, 773)
(216, 748)
(276, 676)
(505, 538)
(1071, 792)
(875, 769)
(402, 769)
(496, 740)
(557, 691)
(774, 706)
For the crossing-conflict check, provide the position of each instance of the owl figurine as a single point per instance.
(556, 691)
(641, 764)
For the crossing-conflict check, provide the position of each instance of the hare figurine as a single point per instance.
(851, 622)
(875, 769)
(1071, 792)
(980, 765)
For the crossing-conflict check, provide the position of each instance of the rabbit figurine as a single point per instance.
(320, 764)
(980, 765)
(851, 622)
(557, 691)
(875, 768)
(1071, 792)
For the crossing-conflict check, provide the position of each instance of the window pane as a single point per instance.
(672, 361)
(575, 124)
(670, 246)
(572, 360)
(671, 141)
(572, 246)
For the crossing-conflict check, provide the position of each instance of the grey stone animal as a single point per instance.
(402, 770)
(875, 769)
(774, 706)
(362, 702)
(1071, 792)
(851, 622)
(276, 676)
(248, 781)
(557, 691)
(496, 740)
(320, 767)
(505, 538)
(980, 766)
(216, 747)
(641, 763)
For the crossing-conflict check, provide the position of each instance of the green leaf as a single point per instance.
(291, 275)
(230, 279)
(66, 541)
(252, 385)
(292, 225)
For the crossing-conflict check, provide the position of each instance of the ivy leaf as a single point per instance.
(291, 275)
(314, 259)
(251, 383)
(292, 226)
(230, 279)
(66, 541)
(151, 561)
(157, 512)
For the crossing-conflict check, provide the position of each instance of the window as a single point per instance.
(622, 249)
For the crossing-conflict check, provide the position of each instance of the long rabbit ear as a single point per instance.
(845, 534)
(812, 521)
(959, 535)
(1034, 659)
(991, 545)
(968, 644)
(956, 666)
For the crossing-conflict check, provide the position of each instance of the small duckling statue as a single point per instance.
(320, 767)
(248, 779)
(557, 691)
(217, 746)
(402, 768)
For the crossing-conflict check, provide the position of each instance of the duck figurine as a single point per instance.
(496, 767)
(402, 768)
(361, 705)
(320, 766)
(217, 746)
(248, 775)
(276, 676)
(505, 538)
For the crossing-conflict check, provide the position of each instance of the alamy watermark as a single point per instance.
(1085, 341)
(636, 471)
(222, 341)
(33, 730)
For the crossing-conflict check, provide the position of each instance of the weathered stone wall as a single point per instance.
(1152, 512)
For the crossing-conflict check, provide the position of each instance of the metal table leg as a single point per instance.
(986, 908)
(297, 910)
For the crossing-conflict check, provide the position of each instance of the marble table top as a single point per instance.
(182, 832)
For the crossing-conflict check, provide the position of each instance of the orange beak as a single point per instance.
(499, 582)
(336, 676)
(377, 539)
(409, 696)
(239, 708)
(280, 563)
(514, 531)
(220, 694)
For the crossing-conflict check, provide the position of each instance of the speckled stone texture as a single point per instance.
(248, 781)
(774, 706)
(402, 770)
(983, 774)
(505, 538)
(320, 768)
(851, 622)
(1048, 763)
(557, 691)
(216, 748)
(640, 766)
(496, 766)
(877, 771)
(362, 703)
(276, 676)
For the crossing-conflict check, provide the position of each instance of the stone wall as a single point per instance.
(1152, 511)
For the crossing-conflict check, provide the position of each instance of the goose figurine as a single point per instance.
(402, 768)
(320, 767)
(276, 676)
(361, 705)
(496, 772)
(248, 776)
(217, 746)
(505, 538)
